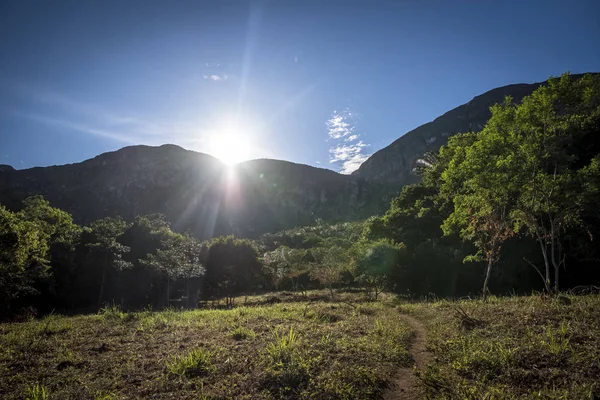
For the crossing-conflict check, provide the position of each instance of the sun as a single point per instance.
(229, 144)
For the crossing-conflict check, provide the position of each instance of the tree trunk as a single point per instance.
(553, 255)
(546, 264)
(556, 276)
(487, 279)
(168, 290)
(102, 286)
(187, 292)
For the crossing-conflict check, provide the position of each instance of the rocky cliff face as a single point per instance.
(394, 163)
(195, 191)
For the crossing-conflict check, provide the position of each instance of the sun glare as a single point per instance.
(230, 145)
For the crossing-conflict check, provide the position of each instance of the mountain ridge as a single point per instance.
(196, 191)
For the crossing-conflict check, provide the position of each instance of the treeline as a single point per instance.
(331, 256)
(47, 262)
(521, 197)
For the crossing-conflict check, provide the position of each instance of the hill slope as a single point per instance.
(195, 191)
(394, 164)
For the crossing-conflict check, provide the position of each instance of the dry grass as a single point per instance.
(287, 349)
(513, 348)
(283, 346)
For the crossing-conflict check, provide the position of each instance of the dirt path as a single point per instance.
(405, 385)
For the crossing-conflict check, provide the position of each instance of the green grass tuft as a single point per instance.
(283, 348)
(36, 392)
(196, 363)
(242, 333)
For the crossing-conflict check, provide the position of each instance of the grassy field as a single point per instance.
(287, 346)
(291, 349)
(531, 347)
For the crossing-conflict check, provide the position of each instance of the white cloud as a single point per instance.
(347, 152)
(338, 125)
(351, 156)
(215, 77)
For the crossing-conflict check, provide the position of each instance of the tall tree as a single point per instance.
(23, 258)
(232, 267)
(180, 258)
(375, 263)
(521, 174)
(104, 250)
(62, 237)
(552, 170)
(481, 189)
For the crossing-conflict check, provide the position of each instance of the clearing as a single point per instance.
(284, 345)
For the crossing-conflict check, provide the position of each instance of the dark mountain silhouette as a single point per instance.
(195, 191)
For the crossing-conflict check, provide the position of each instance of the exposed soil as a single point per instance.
(405, 385)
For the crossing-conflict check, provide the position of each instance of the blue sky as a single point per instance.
(324, 83)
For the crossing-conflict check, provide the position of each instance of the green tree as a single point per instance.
(329, 266)
(232, 268)
(553, 171)
(481, 189)
(105, 252)
(62, 236)
(375, 263)
(180, 258)
(144, 236)
(23, 258)
(522, 173)
(55, 223)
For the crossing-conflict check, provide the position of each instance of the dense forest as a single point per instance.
(512, 208)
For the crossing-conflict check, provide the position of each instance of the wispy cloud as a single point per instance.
(77, 110)
(347, 151)
(350, 156)
(78, 127)
(339, 124)
(57, 110)
(216, 78)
